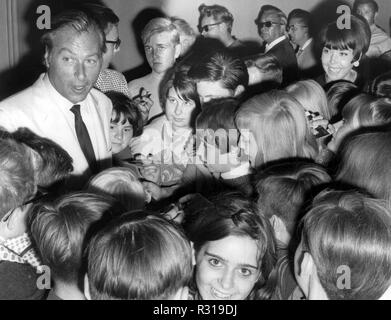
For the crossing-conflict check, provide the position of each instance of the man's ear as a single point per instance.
(223, 27)
(239, 90)
(178, 49)
(307, 264)
(87, 287)
(280, 230)
(308, 271)
(46, 58)
(193, 255)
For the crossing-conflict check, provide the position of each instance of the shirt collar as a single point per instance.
(273, 43)
(56, 96)
(306, 44)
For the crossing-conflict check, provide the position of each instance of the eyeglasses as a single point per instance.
(267, 24)
(206, 27)
(294, 27)
(117, 42)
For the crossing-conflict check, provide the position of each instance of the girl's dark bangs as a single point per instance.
(117, 116)
(339, 40)
(185, 91)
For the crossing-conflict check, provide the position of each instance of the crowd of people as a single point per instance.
(231, 171)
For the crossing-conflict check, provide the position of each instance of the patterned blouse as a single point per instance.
(112, 80)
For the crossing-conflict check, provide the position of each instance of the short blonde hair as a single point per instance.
(311, 96)
(160, 25)
(278, 124)
(120, 183)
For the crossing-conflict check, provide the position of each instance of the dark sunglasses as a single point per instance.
(117, 42)
(206, 27)
(267, 24)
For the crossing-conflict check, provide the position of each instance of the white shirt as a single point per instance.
(42, 109)
(274, 43)
(306, 44)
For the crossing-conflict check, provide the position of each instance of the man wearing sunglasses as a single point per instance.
(299, 30)
(271, 23)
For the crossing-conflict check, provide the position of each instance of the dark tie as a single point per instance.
(84, 138)
(299, 52)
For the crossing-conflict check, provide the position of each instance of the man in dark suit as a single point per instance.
(271, 24)
(300, 33)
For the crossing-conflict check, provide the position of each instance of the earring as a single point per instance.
(356, 64)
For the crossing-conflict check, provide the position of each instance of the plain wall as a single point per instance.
(244, 11)
(133, 16)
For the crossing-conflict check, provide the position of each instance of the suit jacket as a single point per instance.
(285, 54)
(42, 109)
(309, 66)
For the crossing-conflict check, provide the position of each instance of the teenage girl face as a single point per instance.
(121, 133)
(227, 269)
(337, 64)
(179, 111)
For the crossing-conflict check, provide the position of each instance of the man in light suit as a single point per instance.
(299, 30)
(62, 104)
(271, 23)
